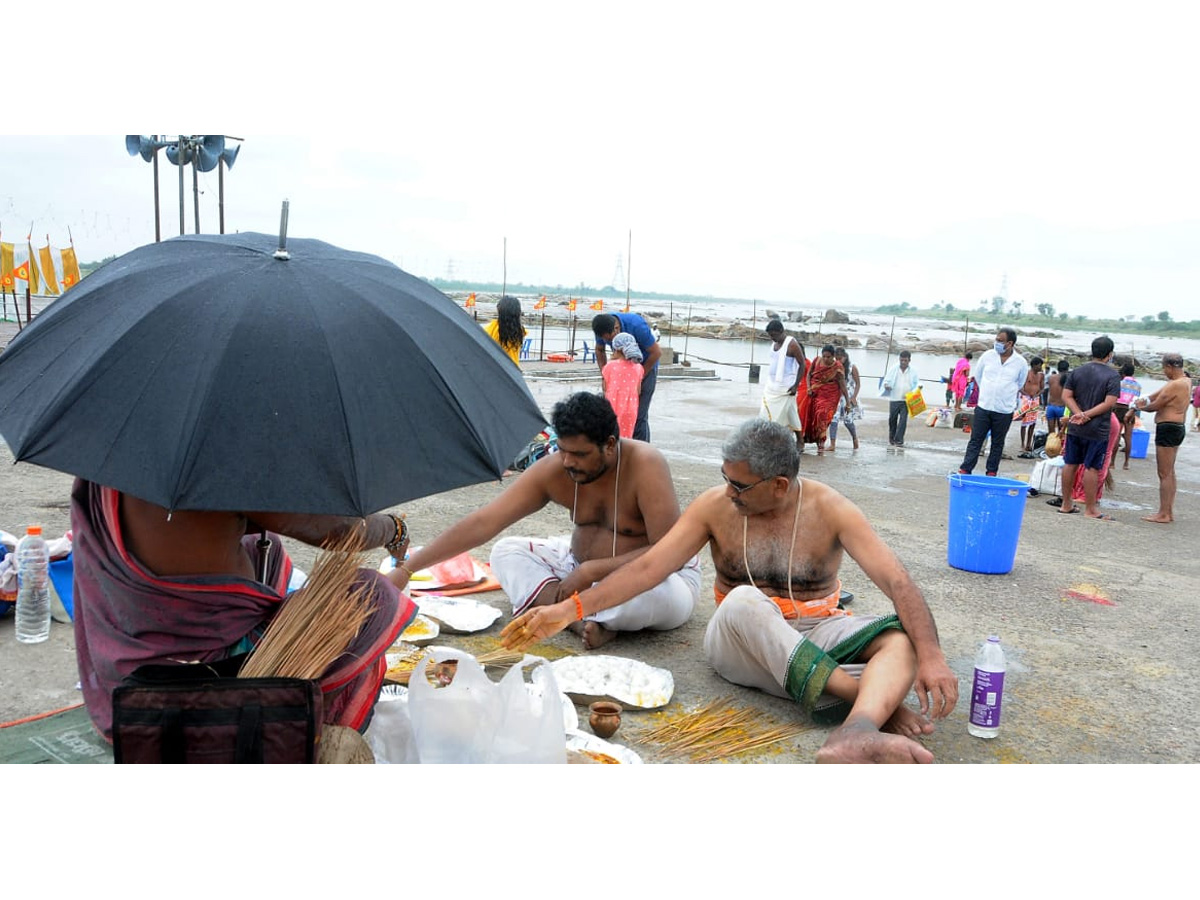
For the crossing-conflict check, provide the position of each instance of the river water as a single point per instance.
(731, 359)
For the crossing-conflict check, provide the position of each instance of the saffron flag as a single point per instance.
(35, 281)
(70, 267)
(541, 304)
(598, 306)
(45, 254)
(470, 300)
(7, 280)
(571, 305)
(626, 309)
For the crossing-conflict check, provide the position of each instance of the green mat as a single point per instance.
(65, 737)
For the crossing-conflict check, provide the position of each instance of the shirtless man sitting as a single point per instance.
(621, 500)
(777, 542)
(1169, 405)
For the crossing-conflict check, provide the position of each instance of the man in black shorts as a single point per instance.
(1169, 405)
(1089, 394)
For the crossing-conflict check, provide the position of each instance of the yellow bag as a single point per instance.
(916, 402)
(1053, 446)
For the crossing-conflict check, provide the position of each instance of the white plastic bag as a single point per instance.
(1046, 477)
(390, 734)
(476, 720)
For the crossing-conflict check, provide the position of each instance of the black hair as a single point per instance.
(774, 325)
(603, 324)
(1036, 361)
(1063, 365)
(1010, 331)
(1102, 346)
(828, 348)
(1127, 369)
(585, 415)
(512, 332)
(904, 354)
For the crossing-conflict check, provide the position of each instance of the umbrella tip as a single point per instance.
(282, 253)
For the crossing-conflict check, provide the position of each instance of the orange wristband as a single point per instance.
(578, 606)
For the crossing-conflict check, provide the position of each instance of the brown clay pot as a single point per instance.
(605, 718)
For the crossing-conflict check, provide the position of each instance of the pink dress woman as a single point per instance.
(623, 381)
(958, 381)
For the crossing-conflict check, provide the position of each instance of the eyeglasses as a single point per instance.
(742, 488)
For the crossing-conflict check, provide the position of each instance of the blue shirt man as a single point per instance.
(607, 326)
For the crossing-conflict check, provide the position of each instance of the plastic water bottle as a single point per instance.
(987, 690)
(33, 592)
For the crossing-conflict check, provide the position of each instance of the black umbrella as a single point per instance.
(217, 372)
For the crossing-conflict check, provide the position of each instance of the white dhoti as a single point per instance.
(524, 566)
(749, 642)
(780, 406)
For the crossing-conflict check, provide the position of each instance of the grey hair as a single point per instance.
(767, 447)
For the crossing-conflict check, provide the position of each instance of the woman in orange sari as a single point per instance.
(826, 386)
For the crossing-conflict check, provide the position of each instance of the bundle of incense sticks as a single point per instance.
(318, 622)
(717, 730)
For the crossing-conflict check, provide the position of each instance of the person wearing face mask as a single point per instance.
(1000, 374)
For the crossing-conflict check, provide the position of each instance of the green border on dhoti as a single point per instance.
(809, 667)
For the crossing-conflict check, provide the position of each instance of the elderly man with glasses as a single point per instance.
(777, 542)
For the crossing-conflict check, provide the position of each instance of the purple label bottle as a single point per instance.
(987, 691)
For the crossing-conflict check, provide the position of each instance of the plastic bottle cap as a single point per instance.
(34, 529)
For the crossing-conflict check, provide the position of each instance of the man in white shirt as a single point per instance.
(901, 379)
(1000, 374)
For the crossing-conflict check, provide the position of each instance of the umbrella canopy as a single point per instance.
(205, 372)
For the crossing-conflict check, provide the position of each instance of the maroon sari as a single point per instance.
(126, 616)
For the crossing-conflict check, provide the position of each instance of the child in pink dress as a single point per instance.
(623, 381)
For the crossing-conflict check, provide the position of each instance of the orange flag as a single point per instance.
(470, 300)
(541, 304)
(598, 306)
(626, 309)
(571, 305)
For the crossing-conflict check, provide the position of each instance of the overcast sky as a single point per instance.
(873, 154)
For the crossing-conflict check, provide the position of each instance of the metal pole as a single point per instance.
(754, 328)
(687, 334)
(966, 326)
(628, 268)
(180, 167)
(157, 223)
(221, 192)
(195, 195)
(542, 339)
(888, 363)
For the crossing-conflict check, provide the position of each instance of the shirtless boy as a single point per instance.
(621, 500)
(1169, 405)
(777, 542)
(1029, 401)
(1054, 403)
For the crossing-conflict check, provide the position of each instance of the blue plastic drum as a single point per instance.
(985, 522)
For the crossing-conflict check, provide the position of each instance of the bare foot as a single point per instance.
(1126, 466)
(1158, 519)
(858, 741)
(595, 635)
(908, 723)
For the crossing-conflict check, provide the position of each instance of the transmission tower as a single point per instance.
(618, 279)
(450, 270)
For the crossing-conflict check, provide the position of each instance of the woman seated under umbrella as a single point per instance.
(153, 587)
